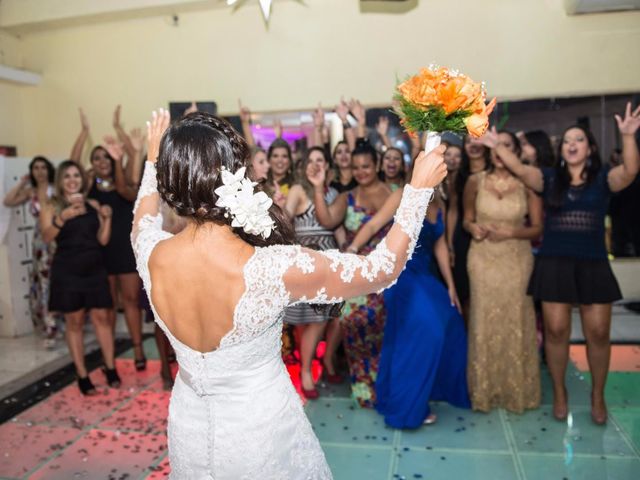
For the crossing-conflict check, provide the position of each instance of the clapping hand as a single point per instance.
(318, 117)
(137, 139)
(155, 129)
(245, 113)
(316, 175)
(342, 110)
(358, 111)
(116, 118)
(490, 138)
(113, 148)
(630, 123)
(192, 109)
(105, 212)
(382, 127)
(83, 120)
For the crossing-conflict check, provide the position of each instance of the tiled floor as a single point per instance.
(120, 435)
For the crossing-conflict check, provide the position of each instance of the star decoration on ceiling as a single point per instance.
(265, 6)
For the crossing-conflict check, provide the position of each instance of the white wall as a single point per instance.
(311, 52)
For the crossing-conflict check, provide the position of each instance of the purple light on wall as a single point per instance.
(265, 136)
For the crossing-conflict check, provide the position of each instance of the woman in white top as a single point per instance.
(218, 289)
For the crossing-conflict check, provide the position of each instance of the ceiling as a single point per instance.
(578, 7)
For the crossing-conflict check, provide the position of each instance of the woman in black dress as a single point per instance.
(80, 227)
(109, 186)
(572, 267)
(110, 183)
(475, 158)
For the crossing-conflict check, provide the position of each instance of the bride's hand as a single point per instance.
(429, 170)
(155, 129)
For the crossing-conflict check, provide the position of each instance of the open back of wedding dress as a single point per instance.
(234, 413)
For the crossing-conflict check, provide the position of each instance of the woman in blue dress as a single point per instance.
(424, 350)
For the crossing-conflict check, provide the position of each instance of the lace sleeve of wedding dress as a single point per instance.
(331, 276)
(147, 221)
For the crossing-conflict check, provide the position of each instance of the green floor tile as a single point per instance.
(431, 465)
(623, 388)
(629, 420)
(458, 428)
(328, 390)
(538, 432)
(578, 387)
(546, 467)
(349, 463)
(338, 421)
(150, 350)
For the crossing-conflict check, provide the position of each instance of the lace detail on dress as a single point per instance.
(149, 184)
(411, 213)
(380, 260)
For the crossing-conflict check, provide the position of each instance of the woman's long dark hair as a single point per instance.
(403, 167)
(303, 180)
(51, 170)
(541, 143)
(193, 152)
(517, 148)
(562, 177)
(106, 152)
(289, 177)
(464, 172)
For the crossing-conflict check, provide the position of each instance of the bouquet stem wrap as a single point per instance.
(432, 140)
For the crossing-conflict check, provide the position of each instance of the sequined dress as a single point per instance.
(503, 368)
(234, 413)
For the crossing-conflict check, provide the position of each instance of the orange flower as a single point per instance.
(476, 124)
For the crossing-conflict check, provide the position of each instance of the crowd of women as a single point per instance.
(514, 239)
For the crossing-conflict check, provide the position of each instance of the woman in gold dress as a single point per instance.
(503, 369)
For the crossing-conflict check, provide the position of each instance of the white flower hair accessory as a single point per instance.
(249, 210)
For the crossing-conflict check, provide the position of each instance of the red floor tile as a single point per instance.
(24, 447)
(624, 358)
(160, 472)
(70, 408)
(105, 454)
(146, 413)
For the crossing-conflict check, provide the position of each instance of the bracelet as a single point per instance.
(53, 222)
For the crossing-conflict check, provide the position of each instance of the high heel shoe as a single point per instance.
(86, 386)
(430, 420)
(113, 379)
(333, 378)
(140, 363)
(311, 394)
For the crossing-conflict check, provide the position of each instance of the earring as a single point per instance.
(562, 163)
(589, 162)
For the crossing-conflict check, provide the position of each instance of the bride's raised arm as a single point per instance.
(147, 216)
(330, 276)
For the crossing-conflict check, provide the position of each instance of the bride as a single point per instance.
(218, 289)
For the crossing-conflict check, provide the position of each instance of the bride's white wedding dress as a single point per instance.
(234, 413)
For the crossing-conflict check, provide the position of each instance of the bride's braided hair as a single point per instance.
(193, 151)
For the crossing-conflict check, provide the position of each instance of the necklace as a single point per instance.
(501, 185)
(104, 183)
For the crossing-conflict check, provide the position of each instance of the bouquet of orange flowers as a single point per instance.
(438, 100)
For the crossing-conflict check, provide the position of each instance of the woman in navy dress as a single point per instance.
(424, 350)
